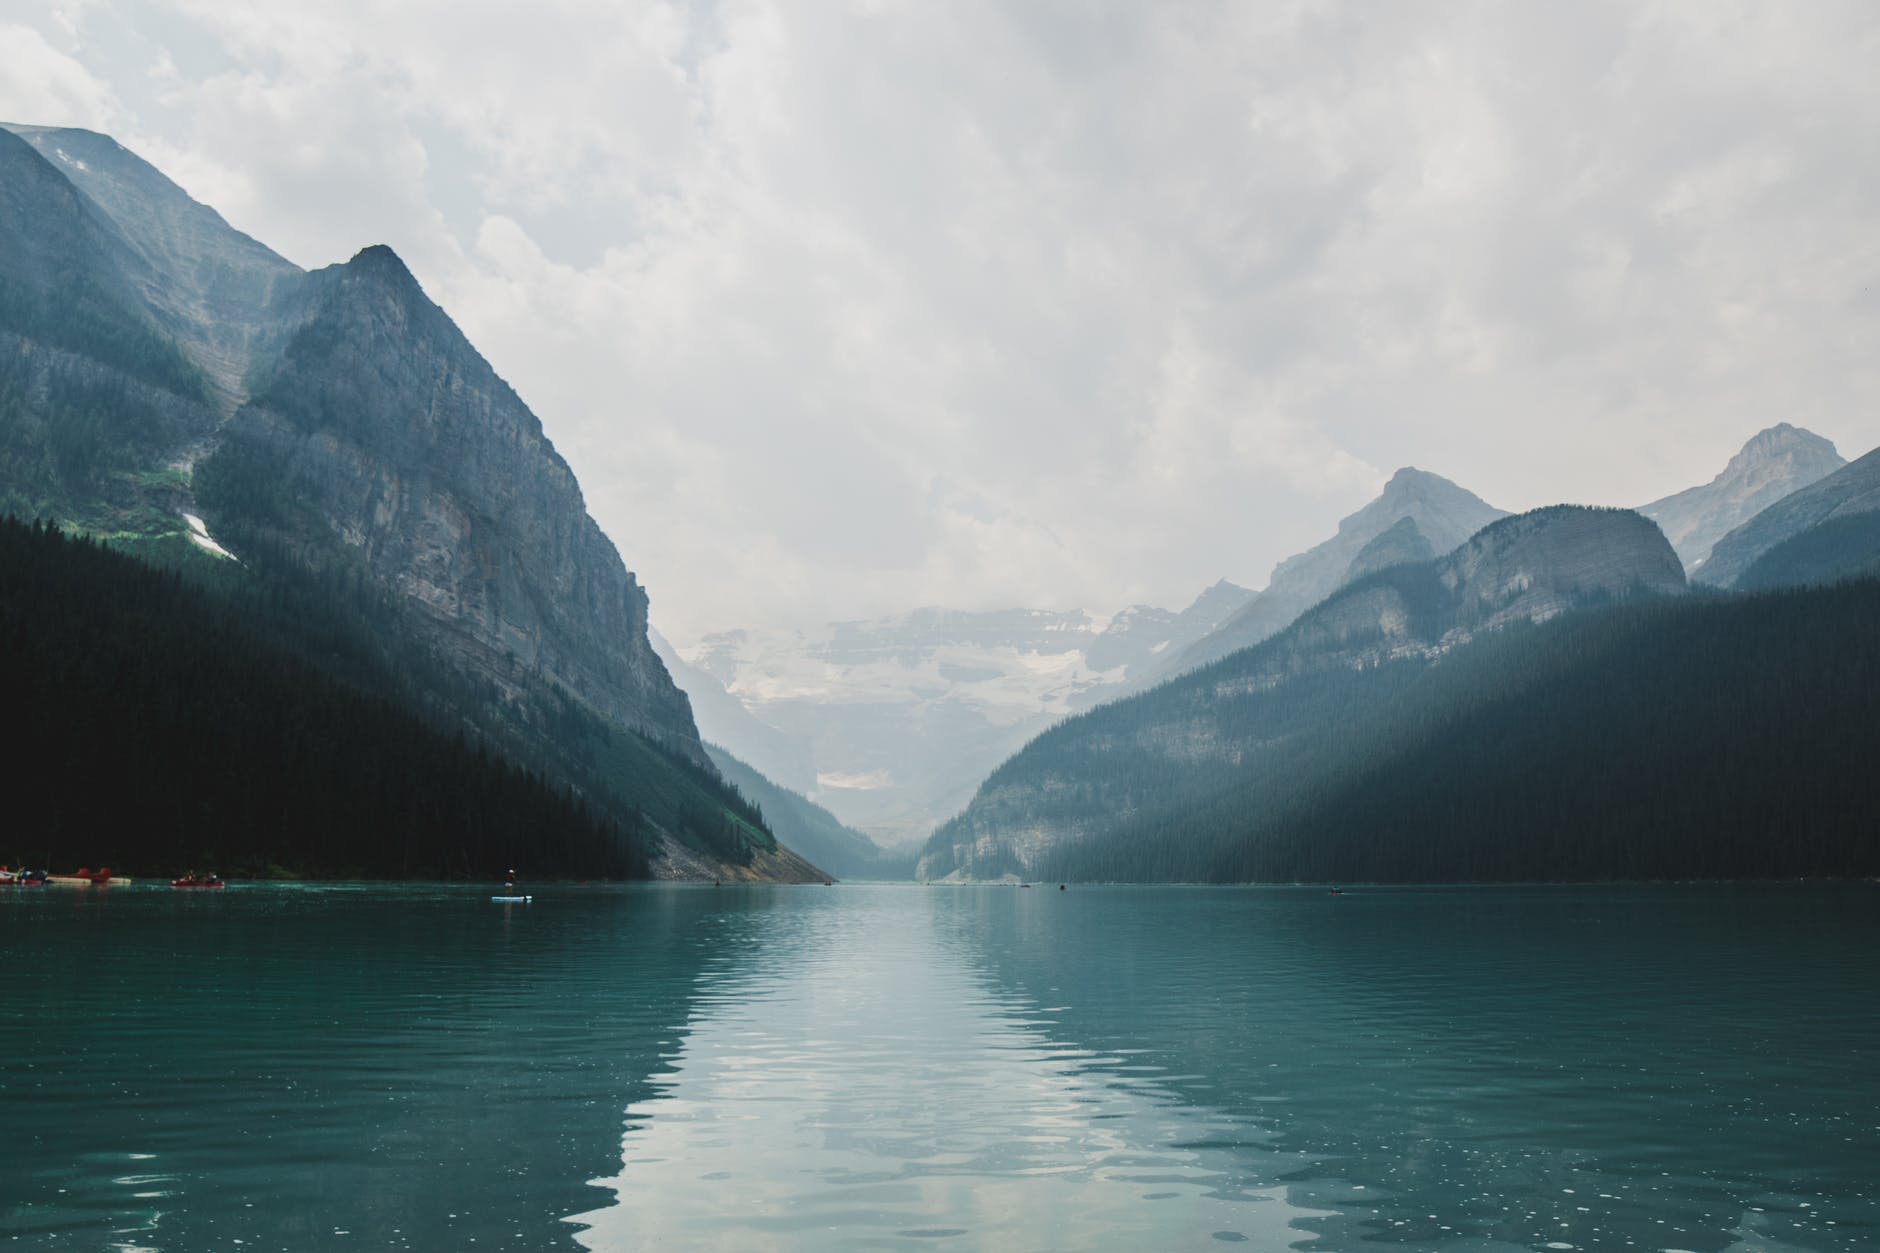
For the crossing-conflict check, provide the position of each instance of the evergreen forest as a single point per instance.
(1704, 737)
(185, 712)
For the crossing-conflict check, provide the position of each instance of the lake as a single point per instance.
(899, 1067)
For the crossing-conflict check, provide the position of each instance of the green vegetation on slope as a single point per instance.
(1840, 548)
(82, 317)
(157, 728)
(1702, 738)
(343, 622)
(809, 830)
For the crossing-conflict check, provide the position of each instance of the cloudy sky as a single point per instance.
(841, 308)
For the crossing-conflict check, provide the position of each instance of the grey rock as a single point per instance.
(1520, 569)
(390, 442)
(1774, 463)
(206, 284)
(1444, 513)
(1852, 490)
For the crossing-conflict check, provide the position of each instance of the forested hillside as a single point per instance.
(810, 830)
(1272, 713)
(158, 727)
(403, 524)
(1703, 738)
(1840, 548)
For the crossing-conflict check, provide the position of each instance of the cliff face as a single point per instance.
(1443, 513)
(1849, 492)
(1177, 745)
(205, 284)
(382, 437)
(1776, 462)
(158, 367)
(93, 396)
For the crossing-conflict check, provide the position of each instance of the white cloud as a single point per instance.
(838, 310)
(43, 84)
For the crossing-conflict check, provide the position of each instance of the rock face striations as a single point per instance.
(1172, 747)
(165, 378)
(205, 284)
(93, 395)
(1774, 463)
(381, 437)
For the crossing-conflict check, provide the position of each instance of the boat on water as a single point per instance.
(84, 877)
(193, 880)
(513, 900)
(22, 878)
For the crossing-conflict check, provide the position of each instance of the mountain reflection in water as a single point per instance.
(863, 1084)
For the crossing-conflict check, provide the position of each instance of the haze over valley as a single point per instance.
(293, 439)
(787, 627)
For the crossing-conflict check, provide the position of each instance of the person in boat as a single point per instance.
(509, 883)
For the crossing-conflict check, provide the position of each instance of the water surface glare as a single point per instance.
(936, 1068)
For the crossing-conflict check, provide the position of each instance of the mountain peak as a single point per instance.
(380, 262)
(1447, 513)
(1444, 515)
(380, 278)
(1773, 463)
(1781, 440)
(206, 284)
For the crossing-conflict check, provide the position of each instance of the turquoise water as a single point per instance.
(939, 1068)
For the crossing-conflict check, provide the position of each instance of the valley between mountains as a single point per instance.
(323, 599)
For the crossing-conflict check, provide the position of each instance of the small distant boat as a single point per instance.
(513, 900)
(23, 878)
(84, 876)
(194, 880)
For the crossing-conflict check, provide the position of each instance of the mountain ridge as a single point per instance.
(1852, 490)
(1772, 464)
(1524, 568)
(337, 432)
(1445, 514)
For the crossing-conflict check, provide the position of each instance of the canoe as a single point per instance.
(511, 900)
(85, 880)
(196, 883)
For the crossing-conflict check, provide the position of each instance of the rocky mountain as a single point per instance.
(170, 383)
(1695, 737)
(381, 439)
(1171, 747)
(1851, 491)
(93, 395)
(902, 717)
(1443, 514)
(205, 284)
(810, 830)
(1774, 463)
(1403, 544)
